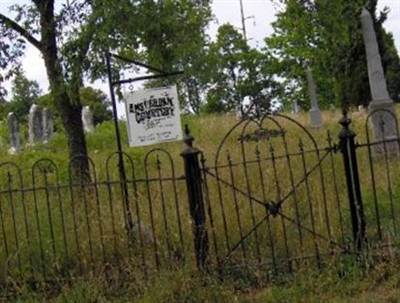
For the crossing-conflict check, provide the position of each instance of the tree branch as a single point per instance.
(11, 24)
(83, 47)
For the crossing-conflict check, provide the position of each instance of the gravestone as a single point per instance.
(360, 112)
(296, 107)
(13, 133)
(87, 119)
(381, 106)
(362, 109)
(48, 126)
(315, 113)
(239, 112)
(35, 124)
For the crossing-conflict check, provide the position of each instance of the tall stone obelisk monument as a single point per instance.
(381, 103)
(315, 113)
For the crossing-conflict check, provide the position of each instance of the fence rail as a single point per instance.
(271, 200)
(52, 230)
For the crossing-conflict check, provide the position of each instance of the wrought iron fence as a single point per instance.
(52, 229)
(270, 200)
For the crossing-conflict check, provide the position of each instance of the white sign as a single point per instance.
(153, 116)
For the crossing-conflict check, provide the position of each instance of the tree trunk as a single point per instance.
(68, 104)
(71, 119)
(70, 110)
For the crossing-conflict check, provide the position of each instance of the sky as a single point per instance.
(260, 13)
(258, 17)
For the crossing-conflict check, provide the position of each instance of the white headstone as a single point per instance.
(362, 109)
(315, 113)
(13, 133)
(35, 124)
(296, 107)
(48, 126)
(87, 119)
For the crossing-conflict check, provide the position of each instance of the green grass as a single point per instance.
(380, 284)
(184, 284)
(346, 282)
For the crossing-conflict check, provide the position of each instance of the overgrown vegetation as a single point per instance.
(74, 240)
(348, 282)
(342, 279)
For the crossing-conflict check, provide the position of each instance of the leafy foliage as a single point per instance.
(238, 73)
(98, 103)
(74, 38)
(326, 36)
(94, 98)
(24, 93)
(174, 36)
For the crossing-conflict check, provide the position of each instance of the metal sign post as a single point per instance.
(122, 173)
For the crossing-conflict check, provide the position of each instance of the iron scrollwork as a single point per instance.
(261, 134)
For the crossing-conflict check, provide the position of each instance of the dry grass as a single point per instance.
(84, 231)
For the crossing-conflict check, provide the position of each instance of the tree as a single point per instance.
(389, 54)
(238, 73)
(64, 72)
(73, 40)
(24, 94)
(326, 36)
(98, 103)
(177, 41)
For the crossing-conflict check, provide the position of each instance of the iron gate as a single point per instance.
(275, 198)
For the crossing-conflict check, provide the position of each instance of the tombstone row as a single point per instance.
(40, 126)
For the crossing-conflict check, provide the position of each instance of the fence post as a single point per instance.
(195, 197)
(348, 149)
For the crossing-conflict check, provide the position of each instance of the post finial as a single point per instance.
(188, 138)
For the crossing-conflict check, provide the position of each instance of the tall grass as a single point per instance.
(52, 230)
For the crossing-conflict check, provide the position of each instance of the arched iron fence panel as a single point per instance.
(268, 198)
(379, 156)
(14, 224)
(54, 228)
